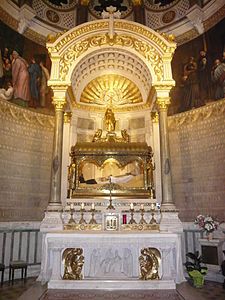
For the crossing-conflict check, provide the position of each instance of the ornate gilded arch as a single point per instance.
(154, 49)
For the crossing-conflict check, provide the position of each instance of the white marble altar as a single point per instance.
(111, 259)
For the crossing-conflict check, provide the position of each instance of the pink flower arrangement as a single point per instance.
(206, 223)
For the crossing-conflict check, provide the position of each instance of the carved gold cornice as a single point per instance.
(118, 24)
(26, 116)
(208, 111)
(143, 48)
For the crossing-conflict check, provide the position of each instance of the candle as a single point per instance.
(92, 206)
(131, 206)
(82, 205)
(152, 206)
(71, 206)
(124, 219)
(142, 206)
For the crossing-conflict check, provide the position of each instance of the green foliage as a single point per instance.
(195, 264)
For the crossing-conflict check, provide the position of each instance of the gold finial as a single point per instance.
(67, 117)
(155, 117)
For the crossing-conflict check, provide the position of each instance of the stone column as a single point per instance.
(52, 219)
(55, 192)
(167, 196)
(65, 156)
(169, 215)
(156, 157)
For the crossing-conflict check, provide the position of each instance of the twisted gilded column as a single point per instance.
(167, 195)
(55, 192)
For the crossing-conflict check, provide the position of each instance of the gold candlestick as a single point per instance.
(93, 221)
(142, 220)
(153, 220)
(71, 220)
(110, 206)
(132, 221)
(82, 220)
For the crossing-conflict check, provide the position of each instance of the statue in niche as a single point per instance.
(109, 120)
(149, 263)
(73, 263)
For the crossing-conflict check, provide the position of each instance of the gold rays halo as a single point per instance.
(111, 89)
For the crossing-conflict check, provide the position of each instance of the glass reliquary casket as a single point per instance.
(110, 165)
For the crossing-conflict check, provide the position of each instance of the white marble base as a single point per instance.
(52, 221)
(170, 222)
(111, 259)
(112, 284)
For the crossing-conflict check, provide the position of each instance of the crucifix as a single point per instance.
(110, 14)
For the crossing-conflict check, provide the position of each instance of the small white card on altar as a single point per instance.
(111, 221)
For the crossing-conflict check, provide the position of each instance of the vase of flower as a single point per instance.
(207, 225)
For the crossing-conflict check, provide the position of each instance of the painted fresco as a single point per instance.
(24, 71)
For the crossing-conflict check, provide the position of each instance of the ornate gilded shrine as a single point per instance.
(95, 67)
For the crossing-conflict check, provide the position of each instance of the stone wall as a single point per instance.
(197, 146)
(26, 139)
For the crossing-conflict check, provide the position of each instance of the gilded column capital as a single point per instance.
(163, 103)
(59, 103)
(67, 117)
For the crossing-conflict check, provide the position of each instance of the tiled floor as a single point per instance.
(12, 292)
(32, 290)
